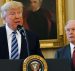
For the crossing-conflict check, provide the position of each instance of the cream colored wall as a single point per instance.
(49, 53)
(70, 9)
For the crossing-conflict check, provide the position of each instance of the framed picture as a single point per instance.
(48, 24)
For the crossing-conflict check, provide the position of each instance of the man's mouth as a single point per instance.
(71, 37)
(17, 21)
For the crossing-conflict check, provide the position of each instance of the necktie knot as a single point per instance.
(14, 32)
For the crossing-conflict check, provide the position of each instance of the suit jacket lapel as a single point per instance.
(24, 52)
(68, 52)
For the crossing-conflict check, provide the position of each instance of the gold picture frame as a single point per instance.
(60, 20)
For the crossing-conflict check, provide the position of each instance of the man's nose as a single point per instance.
(17, 15)
(71, 31)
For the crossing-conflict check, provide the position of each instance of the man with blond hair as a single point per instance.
(16, 43)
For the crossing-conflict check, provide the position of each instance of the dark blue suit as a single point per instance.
(33, 43)
(64, 53)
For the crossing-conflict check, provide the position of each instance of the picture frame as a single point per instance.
(60, 20)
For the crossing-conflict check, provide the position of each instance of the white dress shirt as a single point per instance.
(72, 48)
(9, 39)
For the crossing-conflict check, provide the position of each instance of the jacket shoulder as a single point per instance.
(61, 51)
(63, 48)
(2, 29)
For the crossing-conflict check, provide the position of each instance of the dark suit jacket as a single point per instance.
(63, 53)
(33, 43)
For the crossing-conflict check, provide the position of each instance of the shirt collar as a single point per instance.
(72, 46)
(9, 30)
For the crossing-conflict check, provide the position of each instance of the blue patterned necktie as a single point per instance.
(14, 47)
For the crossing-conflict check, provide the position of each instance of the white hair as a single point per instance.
(10, 5)
(69, 22)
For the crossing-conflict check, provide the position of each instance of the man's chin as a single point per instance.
(15, 27)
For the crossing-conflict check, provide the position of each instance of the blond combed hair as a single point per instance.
(10, 5)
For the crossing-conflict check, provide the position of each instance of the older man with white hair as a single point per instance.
(68, 51)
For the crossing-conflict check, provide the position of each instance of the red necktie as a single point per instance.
(73, 58)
